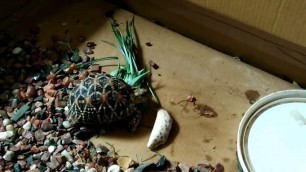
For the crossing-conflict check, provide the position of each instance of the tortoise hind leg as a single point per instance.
(134, 120)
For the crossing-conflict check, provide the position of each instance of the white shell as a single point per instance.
(161, 129)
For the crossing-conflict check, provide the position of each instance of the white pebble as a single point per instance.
(5, 135)
(6, 122)
(9, 127)
(67, 155)
(17, 50)
(38, 104)
(33, 167)
(38, 109)
(66, 124)
(27, 126)
(8, 156)
(51, 148)
(114, 168)
(68, 164)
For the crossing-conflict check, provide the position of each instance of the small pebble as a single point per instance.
(36, 123)
(47, 125)
(22, 163)
(66, 124)
(31, 92)
(38, 109)
(17, 50)
(39, 135)
(58, 149)
(27, 134)
(66, 154)
(53, 164)
(28, 80)
(60, 158)
(51, 148)
(68, 165)
(6, 121)
(85, 59)
(34, 149)
(9, 128)
(16, 92)
(33, 167)
(66, 81)
(40, 92)
(20, 131)
(83, 74)
(9, 155)
(51, 77)
(79, 163)
(49, 87)
(66, 138)
(114, 168)
(13, 102)
(38, 104)
(184, 167)
(27, 126)
(3, 114)
(45, 156)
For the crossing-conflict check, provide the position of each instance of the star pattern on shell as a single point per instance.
(102, 99)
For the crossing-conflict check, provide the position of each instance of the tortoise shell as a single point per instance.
(101, 98)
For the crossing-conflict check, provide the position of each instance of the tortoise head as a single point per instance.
(140, 95)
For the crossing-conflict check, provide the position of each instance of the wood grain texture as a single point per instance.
(281, 18)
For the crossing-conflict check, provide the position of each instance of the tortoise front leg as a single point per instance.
(134, 120)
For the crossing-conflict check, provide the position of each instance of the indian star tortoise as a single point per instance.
(103, 99)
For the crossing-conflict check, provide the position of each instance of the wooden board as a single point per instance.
(186, 67)
(281, 57)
